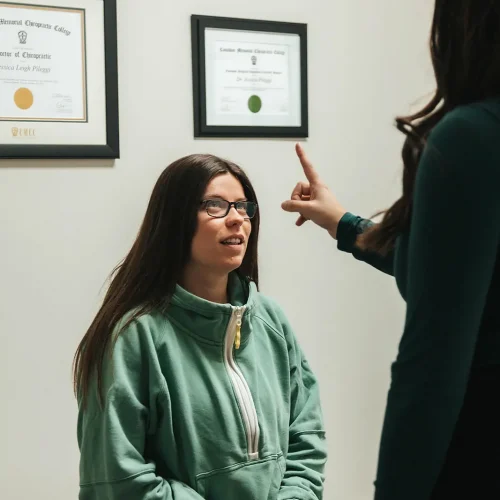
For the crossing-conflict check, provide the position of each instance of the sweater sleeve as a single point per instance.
(350, 226)
(113, 440)
(454, 241)
(307, 453)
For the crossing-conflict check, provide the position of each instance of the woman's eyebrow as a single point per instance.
(215, 195)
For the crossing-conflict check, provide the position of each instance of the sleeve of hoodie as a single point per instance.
(350, 226)
(112, 439)
(307, 452)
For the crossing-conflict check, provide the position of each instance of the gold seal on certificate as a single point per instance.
(58, 86)
(249, 78)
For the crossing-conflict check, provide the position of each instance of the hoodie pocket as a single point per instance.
(254, 480)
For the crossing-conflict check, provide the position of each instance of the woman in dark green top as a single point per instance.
(441, 241)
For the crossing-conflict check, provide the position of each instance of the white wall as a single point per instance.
(64, 225)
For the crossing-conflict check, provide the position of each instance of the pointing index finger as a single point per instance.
(311, 174)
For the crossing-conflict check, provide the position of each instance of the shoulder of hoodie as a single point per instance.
(272, 313)
(144, 332)
(468, 126)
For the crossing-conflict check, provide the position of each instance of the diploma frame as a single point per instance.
(109, 147)
(199, 24)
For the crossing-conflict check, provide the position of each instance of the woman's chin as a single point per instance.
(231, 264)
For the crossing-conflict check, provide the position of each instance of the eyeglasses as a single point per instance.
(220, 208)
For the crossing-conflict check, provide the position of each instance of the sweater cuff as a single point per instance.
(347, 232)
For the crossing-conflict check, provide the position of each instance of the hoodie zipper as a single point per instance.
(237, 338)
(241, 389)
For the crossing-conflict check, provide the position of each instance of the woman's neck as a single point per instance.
(208, 286)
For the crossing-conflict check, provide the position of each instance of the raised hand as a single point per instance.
(313, 200)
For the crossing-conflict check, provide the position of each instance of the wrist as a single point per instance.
(333, 226)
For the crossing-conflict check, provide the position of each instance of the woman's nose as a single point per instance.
(234, 217)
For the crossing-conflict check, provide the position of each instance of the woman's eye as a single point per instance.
(214, 204)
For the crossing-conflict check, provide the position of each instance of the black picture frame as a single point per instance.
(198, 25)
(110, 150)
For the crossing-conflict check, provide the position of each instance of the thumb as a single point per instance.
(294, 205)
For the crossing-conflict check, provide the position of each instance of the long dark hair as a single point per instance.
(145, 280)
(465, 52)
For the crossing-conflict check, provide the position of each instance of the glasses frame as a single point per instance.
(229, 206)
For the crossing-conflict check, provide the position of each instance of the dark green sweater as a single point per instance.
(447, 268)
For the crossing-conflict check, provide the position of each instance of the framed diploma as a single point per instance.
(249, 78)
(58, 79)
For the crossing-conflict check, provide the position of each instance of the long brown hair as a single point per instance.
(465, 52)
(145, 280)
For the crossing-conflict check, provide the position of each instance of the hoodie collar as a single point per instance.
(208, 320)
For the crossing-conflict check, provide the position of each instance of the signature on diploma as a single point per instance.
(64, 103)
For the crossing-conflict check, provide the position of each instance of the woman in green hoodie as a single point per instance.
(190, 383)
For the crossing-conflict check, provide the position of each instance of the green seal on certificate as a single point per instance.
(254, 104)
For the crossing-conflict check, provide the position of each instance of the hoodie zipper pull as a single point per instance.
(237, 338)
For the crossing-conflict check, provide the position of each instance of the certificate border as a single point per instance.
(198, 25)
(112, 147)
(83, 13)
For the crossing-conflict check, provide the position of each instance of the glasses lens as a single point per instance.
(216, 208)
(248, 209)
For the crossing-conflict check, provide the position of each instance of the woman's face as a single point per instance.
(220, 243)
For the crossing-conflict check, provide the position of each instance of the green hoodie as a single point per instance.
(188, 416)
